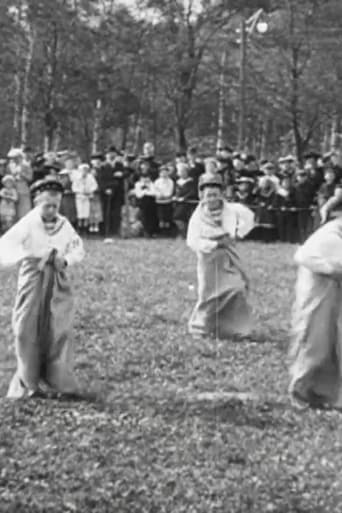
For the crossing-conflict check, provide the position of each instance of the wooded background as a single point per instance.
(83, 74)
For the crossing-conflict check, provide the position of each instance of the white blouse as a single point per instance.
(28, 238)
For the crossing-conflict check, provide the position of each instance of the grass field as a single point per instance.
(171, 430)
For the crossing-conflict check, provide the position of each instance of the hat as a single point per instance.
(249, 159)
(288, 158)
(63, 172)
(113, 149)
(97, 156)
(245, 179)
(228, 149)
(267, 165)
(47, 184)
(54, 167)
(7, 178)
(15, 153)
(210, 180)
(192, 150)
(312, 155)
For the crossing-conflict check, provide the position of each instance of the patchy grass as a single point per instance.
(156, 440)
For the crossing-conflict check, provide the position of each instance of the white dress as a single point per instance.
(84, 187)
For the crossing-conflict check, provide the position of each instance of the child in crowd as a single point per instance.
(284, 204)
(325, 193)
(96, 214)
(68, 207)
(185, 198)
(8, 201)
(145, 193)
(84, 187)
(131, 225)
(164, 189)
(244, 194)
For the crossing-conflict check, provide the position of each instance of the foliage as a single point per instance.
(178, 425)
(100, 72)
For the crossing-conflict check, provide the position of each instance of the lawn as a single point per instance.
(178, 426)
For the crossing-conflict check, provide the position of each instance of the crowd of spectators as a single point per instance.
(120, 194)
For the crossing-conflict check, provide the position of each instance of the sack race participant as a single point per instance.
(316, 359)
(45, 244)
(222, 309)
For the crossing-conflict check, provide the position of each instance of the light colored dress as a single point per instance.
(43, 311)
(84, 187)
(316, 363)
(96, 213)
(23, 176)
(222, 308)
(8, 201)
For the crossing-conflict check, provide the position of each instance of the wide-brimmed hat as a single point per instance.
(288, 158)
(15, 153)
(7, 178)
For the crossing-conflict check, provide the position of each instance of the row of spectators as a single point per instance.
(138, 196)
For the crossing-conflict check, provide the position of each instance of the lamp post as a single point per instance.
(243, 59)
(247, 28)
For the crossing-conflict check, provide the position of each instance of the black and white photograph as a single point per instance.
(170, 256)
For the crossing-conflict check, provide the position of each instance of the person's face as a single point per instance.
(163, 173)
(269, 171)
(182, 171)
(308, 167)
(329, 176)
(111, 156)
(28, 155)
(8, 184)
(334, 159)
(50, 204)
(69, 164)
(133, 201)
(238, 164)
(286, 183)
(212, 196)
(144, 168)
(148, 150)
(180, 160)
(12, 166)
(251, 165)
(243, 187)
(224, 155)
(301, 176)
(96, 163)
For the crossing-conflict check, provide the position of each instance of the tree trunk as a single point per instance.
(16, 109)
(97, 126)
(57, 136)
(26, 88)
(50, 122)
(334, 132)
(181, 137)
(221, 105)
(243, 62)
